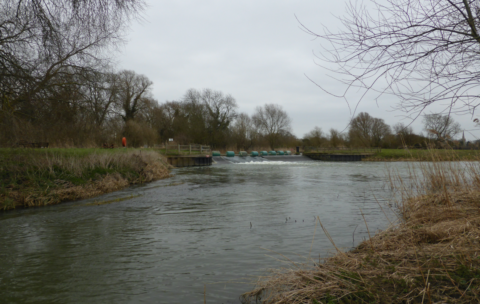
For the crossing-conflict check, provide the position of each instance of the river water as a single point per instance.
(212, 229)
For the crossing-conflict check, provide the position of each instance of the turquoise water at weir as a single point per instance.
(165, 241)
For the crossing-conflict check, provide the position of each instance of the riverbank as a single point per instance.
(431, 256)
(40, 177)
(386, 155)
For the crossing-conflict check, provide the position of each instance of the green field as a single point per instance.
(406, 154)
(424, 155)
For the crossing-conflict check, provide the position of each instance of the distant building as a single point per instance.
(463, 142)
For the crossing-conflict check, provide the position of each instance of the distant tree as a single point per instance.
(133, 90)
(271, 121)
(441, 127)
(403, 130)
(336, 138)
(171, 121)
(314, 138)
(368, 131)
(99, 92)
(380, 130)
(243, 132)
(221, 113)
(209, 114)
(196, 115)
(404, 135)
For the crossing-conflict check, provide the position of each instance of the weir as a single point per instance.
(336, 157)
(190, 160)
(259, 159)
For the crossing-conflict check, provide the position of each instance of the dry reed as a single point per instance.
(431, 256)
(50, 178)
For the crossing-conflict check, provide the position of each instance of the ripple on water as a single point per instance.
(173, 237)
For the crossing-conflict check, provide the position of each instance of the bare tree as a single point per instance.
(405, 135)
(441, 127)
(99, 90)
(243, 132)
(44, 45)
(315, 137)
(171, 121)
(336, 138)
(221, 112)
(272, 121)
(380, 130)
(133, 92)
(422, 51)
(368, 131)
(41, 39)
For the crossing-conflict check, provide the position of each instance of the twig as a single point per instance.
(353, 236)
(369, 236)
(311, 246)
(330, 238)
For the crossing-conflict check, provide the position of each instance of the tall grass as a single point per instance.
(432, 255)
(43, 176)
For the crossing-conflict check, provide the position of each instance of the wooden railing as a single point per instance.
(186, 149)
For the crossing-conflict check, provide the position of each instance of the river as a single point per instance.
(212, 229)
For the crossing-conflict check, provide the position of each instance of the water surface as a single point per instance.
(218, 226)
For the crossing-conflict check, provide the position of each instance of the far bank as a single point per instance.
(41, 177)
(388, 155)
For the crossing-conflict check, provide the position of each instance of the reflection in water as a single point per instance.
(169, 238)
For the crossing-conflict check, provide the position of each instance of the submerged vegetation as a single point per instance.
(432, 254)
(39, 177)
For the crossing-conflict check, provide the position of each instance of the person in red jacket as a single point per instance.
(124, 142)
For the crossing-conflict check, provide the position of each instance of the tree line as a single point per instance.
(57, 85)
(366, 131)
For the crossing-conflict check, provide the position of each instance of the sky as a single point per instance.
(255, 51)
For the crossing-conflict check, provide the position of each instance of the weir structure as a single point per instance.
(190, 160)
(192, 155)
(340, 154)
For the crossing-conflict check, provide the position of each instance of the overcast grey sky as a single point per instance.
(254, 50)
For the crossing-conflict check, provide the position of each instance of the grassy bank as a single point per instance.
(39, 177)
(432, 255)
(424, 155)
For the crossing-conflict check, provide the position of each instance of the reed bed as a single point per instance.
(432, 255)
(45, 177)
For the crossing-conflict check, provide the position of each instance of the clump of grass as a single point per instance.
(41, 177)
(431, 256)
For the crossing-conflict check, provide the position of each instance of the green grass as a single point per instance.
(38, 173)
(41, 167)
(410, 154)
(424, 155)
